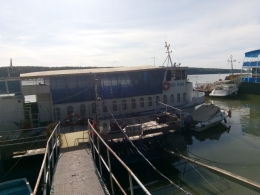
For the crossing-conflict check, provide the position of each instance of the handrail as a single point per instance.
(46, 169)
(131, 174)
(173, 108)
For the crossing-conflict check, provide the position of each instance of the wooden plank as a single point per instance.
(216, 169)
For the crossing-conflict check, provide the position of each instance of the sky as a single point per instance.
(115, 33)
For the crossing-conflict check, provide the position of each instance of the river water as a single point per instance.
(235, 149)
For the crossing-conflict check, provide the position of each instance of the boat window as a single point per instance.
(168, 75)
(124, 104)
(104, 104)
(172, 98)
(150, 103)
(157, 100)
(165, 99)
(184, 97)
(93, 107)
(184, 75)
(133, 104)
(70, 110)
(82, 110)
(177, 75)
(56, 114)
(114, 105)
(178, 97)
(141, 102)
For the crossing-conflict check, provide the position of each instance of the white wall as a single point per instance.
(44, 106)
(11, 109)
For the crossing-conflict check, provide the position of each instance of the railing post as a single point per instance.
(131, 183)
(44, 175)
(100, 166)
(110, 171)
(93, 142)
(56, 143)
(48, 169)
(52, 151)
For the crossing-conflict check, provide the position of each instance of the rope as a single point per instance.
(200, 174)
(175, 185)
(72, 95)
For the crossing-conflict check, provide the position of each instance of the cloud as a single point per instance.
(92, 33)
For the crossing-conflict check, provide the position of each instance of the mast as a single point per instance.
(231, 61)
(168, 52)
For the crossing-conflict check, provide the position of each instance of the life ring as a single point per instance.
(94, 125)
(68, 119)
(229, 113)
(166, 86)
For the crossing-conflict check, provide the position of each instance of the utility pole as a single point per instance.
(231, 61)
(153, 60)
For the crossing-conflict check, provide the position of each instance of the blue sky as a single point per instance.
(127, 33)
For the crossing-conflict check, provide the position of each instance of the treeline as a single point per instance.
(17, 70)
(211, 71)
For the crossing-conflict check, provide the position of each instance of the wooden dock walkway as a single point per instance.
(76, 173)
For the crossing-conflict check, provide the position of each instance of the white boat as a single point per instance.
(207, 116)
(17, 186)
(224, 90)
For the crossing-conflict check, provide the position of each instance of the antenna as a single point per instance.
(231, 61)
(153, 60)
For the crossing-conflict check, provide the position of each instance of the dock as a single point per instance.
(76, 173)
(21, 140)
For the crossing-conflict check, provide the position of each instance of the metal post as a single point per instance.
(52, 151)
(48, 170)
(56, 142)
(100, 167)
(110, 172)
(93, 143)
(44, 175)
(131, 184)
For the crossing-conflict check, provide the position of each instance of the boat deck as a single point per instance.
(76, 173)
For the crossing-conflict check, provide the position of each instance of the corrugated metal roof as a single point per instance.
(83, 71)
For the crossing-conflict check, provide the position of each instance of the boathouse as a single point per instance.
(251, 83)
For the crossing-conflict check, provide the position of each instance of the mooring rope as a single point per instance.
(175, 185)
(200, 174)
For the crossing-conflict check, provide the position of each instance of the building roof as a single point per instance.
(83, 71)
(254, 53)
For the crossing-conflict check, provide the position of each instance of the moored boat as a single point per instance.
(17, 186)
(206, 116)
(224, 90)
(71, 96)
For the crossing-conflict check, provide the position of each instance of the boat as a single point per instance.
(72, 96)
(17, 186)
(224, 90)
(205, 117)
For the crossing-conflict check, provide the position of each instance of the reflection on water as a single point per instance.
(235, 149)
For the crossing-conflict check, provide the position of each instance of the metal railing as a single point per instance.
(95, 150)
(175, 109)
(49, 162)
